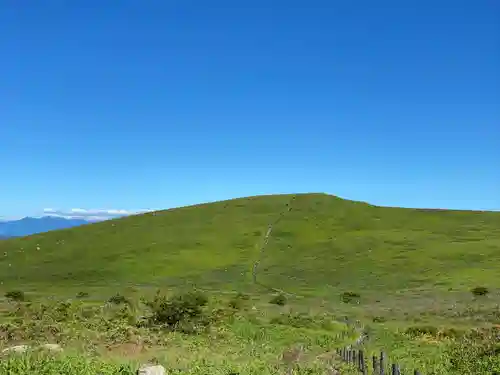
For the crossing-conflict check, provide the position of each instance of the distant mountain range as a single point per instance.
(33, 225)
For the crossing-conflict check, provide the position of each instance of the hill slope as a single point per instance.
(324, 242)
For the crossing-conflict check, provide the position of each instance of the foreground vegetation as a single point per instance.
(418, 284)
(188, 334)
(195, 333)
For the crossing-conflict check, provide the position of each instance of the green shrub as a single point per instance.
(242, 296)
(479, 291)
(349, 297)
(62, 311)
(451, 333)
(82, 295)
(297, 320)
(15, 295)
(220, 314)
(238, 301)
(378, 319)
(236, 304)
(279, 299)
(118, 299)
(415, 331)
(183, 312)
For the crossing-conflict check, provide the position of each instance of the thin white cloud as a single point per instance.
(92, 214)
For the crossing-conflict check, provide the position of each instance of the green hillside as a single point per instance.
(322, 244)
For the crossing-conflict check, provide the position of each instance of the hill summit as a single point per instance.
(321, 243)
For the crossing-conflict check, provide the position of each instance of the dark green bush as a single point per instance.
(118, 299)
(242, 296)
(183, 312)
(296, 320)
(236, 304)
(349, 297)
(15, 295)
(82, 295)
(479, 291)
(415, 331)
(238, 301)
(452, 333)
(279, 299)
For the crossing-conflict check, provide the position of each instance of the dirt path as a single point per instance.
(263, 246)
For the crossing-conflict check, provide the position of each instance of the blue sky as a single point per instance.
(155, 104)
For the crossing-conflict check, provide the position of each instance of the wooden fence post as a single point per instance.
(382, 363)
(374, 364)
(362, 365)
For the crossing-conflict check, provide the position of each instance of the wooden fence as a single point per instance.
(375, 365)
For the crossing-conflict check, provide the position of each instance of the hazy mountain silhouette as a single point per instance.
(32, 225)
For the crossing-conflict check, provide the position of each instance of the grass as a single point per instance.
(323, 245)
(74, 365)
(102, 338)
(390, 268)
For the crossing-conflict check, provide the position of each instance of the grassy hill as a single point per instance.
(322, 245)
(413, 270)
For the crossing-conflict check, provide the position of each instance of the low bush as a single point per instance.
(183, 312)
(15, 295)
(479, 291)
(294, 320)
(415, 331)
(80, 295)
(350, 297)
(118, 299)
(279, 299)
(452, 333)
(238, 301)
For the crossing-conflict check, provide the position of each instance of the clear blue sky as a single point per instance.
(156, 104)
